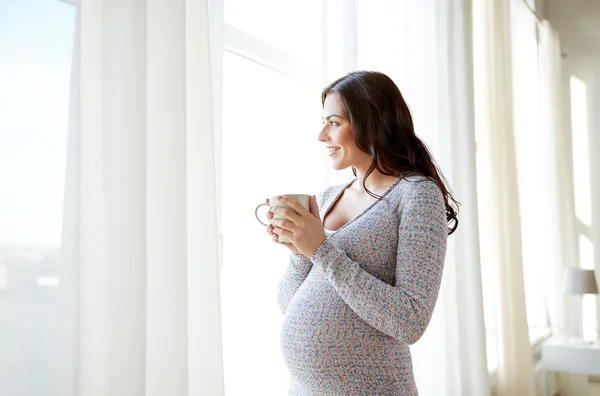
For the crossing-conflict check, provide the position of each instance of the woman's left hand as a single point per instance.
(304, 229)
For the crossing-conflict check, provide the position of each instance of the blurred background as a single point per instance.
(136, 139)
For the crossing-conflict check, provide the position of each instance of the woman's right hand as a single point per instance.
(274, 236)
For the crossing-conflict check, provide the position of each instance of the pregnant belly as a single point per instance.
(325, 342)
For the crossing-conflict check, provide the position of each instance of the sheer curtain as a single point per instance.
(498, 199)
(431, 61)
(462, 299)
(557, 144)
(140, 226)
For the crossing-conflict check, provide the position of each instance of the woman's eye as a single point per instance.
(334, 123)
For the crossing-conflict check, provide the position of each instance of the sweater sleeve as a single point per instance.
(297, 271)
(402, 310)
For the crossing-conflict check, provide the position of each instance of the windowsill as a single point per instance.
(537, 338)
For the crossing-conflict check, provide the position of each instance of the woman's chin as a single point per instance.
(338, 166)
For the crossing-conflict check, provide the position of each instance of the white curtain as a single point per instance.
(557, 145)
(462, 302)
(140, 233)
(456, 335)
(498, 199)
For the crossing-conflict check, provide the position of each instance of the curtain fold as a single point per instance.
(140, 238)
(558, 148)
(466, 344)
(498, 199)
(457, 328)
(203, 115)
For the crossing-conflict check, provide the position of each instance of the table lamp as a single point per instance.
(579, 282)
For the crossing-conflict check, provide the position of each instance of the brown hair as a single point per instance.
(382, 127)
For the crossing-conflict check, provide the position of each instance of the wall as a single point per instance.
(578, 24)
(587, 70)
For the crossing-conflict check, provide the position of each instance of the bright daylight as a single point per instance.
(303, 198)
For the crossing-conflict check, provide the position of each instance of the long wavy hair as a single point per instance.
(383, 128)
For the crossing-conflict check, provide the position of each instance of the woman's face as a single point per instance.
(338, 136)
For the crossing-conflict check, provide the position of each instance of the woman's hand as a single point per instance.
(275, 237)
(303, 228)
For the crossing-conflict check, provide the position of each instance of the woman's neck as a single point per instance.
(376, 181)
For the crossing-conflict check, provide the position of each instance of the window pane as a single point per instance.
(581, 159)
(270, 147)
(291, 26)
(35, 61)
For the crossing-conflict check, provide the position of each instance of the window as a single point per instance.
(583, 197)
(270, 124)
(270, 121)
(35, 63)
(293, 27)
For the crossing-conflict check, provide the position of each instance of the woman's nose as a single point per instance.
(322, 137)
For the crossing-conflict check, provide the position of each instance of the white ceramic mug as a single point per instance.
(303, 199)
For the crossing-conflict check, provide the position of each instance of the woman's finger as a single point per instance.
(284, 233)
(284, 224)
(292, 203)
(286, 213)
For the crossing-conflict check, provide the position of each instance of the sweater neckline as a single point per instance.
(339, 195)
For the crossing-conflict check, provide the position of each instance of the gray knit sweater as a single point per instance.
(352, 309)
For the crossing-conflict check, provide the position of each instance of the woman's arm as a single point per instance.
(297, 270)
(294, 276)
(402, 310)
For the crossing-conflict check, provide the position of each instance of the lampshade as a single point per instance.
(580, 281)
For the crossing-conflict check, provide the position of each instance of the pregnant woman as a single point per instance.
(367, 259)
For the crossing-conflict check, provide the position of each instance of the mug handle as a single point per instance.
(256, 213)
